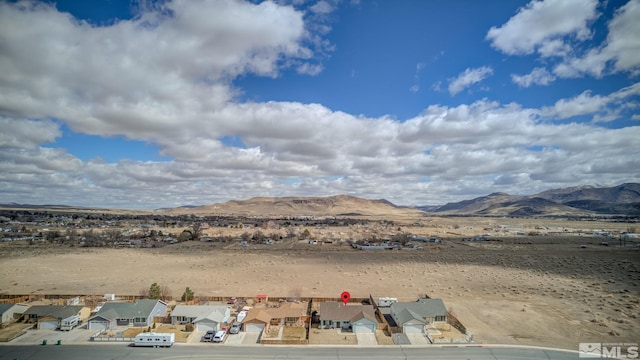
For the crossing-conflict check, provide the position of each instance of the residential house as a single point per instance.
(256, 320)
(10, 312)
(357, 317)
(290, 314)
(140, 313)
(287, 314)
(50, 316)
(414, 316)
(203, 317)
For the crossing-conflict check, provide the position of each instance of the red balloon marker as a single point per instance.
(345, 296)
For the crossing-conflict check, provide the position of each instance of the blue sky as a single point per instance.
(142, 104)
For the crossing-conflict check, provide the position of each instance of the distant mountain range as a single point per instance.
(622, 200)
(573, 201)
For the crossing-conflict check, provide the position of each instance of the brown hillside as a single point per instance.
(300, 206)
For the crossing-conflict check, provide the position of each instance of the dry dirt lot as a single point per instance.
(548, 292)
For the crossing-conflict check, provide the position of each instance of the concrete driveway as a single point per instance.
(35, 336)
(251, 338)
(417, 339)
(366, 339)
(235, 339)
(196, 337)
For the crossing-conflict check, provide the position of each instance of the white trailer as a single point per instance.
(69, 323)
(386, 301)
(154, 339)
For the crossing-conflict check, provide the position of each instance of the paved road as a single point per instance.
(121, 351)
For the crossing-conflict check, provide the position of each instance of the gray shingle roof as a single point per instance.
(337, 311)
(369, 315)
(419, 310)
(126, 310)
(55, 311)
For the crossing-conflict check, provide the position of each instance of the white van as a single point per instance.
(219, 336)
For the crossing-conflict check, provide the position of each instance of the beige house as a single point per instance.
(51, 316)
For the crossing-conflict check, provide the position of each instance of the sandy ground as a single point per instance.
(544, 293)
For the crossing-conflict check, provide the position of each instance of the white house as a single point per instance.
(8, 311)
(203, 317)
(414, 316)
(140, 313)
(359, 318)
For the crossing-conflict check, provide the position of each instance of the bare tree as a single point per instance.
(258, 236)
(196, 232)
(295, 294)
(165, 293)
(402, 238)
(144, 293)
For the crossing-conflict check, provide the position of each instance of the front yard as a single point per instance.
(331, 337)
(132, 332)
(294, 333)
(13, 330)
(179, 331)
(285, 335)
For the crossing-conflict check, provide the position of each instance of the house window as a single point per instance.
(440, 318)
(291, 319)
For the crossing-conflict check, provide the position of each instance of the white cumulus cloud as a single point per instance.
(468, 78)
(543, 21)
(538, 76)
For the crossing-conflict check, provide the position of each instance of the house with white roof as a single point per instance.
(203, 317)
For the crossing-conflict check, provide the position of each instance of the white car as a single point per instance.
(219, 336)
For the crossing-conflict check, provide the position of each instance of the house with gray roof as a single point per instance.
(9, 312)
(414, 316)
(203, 317)
(357, 317)
(51, 316)
(139, 313)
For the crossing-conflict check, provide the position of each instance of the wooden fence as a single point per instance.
(14, 299)
(162, 319)
(453, 321)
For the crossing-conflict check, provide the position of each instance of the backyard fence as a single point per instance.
(453, 321)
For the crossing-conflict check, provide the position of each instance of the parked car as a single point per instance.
(208, 337)
(219, 336)
(235, 328)
(232, 300)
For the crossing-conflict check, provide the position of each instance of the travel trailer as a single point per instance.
(154, 339)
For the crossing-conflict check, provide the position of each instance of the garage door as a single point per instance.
(98, 325)
(254, 327)
(48, 325)
(412, 329)
(206, 326)
(363, 329)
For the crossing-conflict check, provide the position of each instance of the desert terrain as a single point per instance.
(536, 290)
